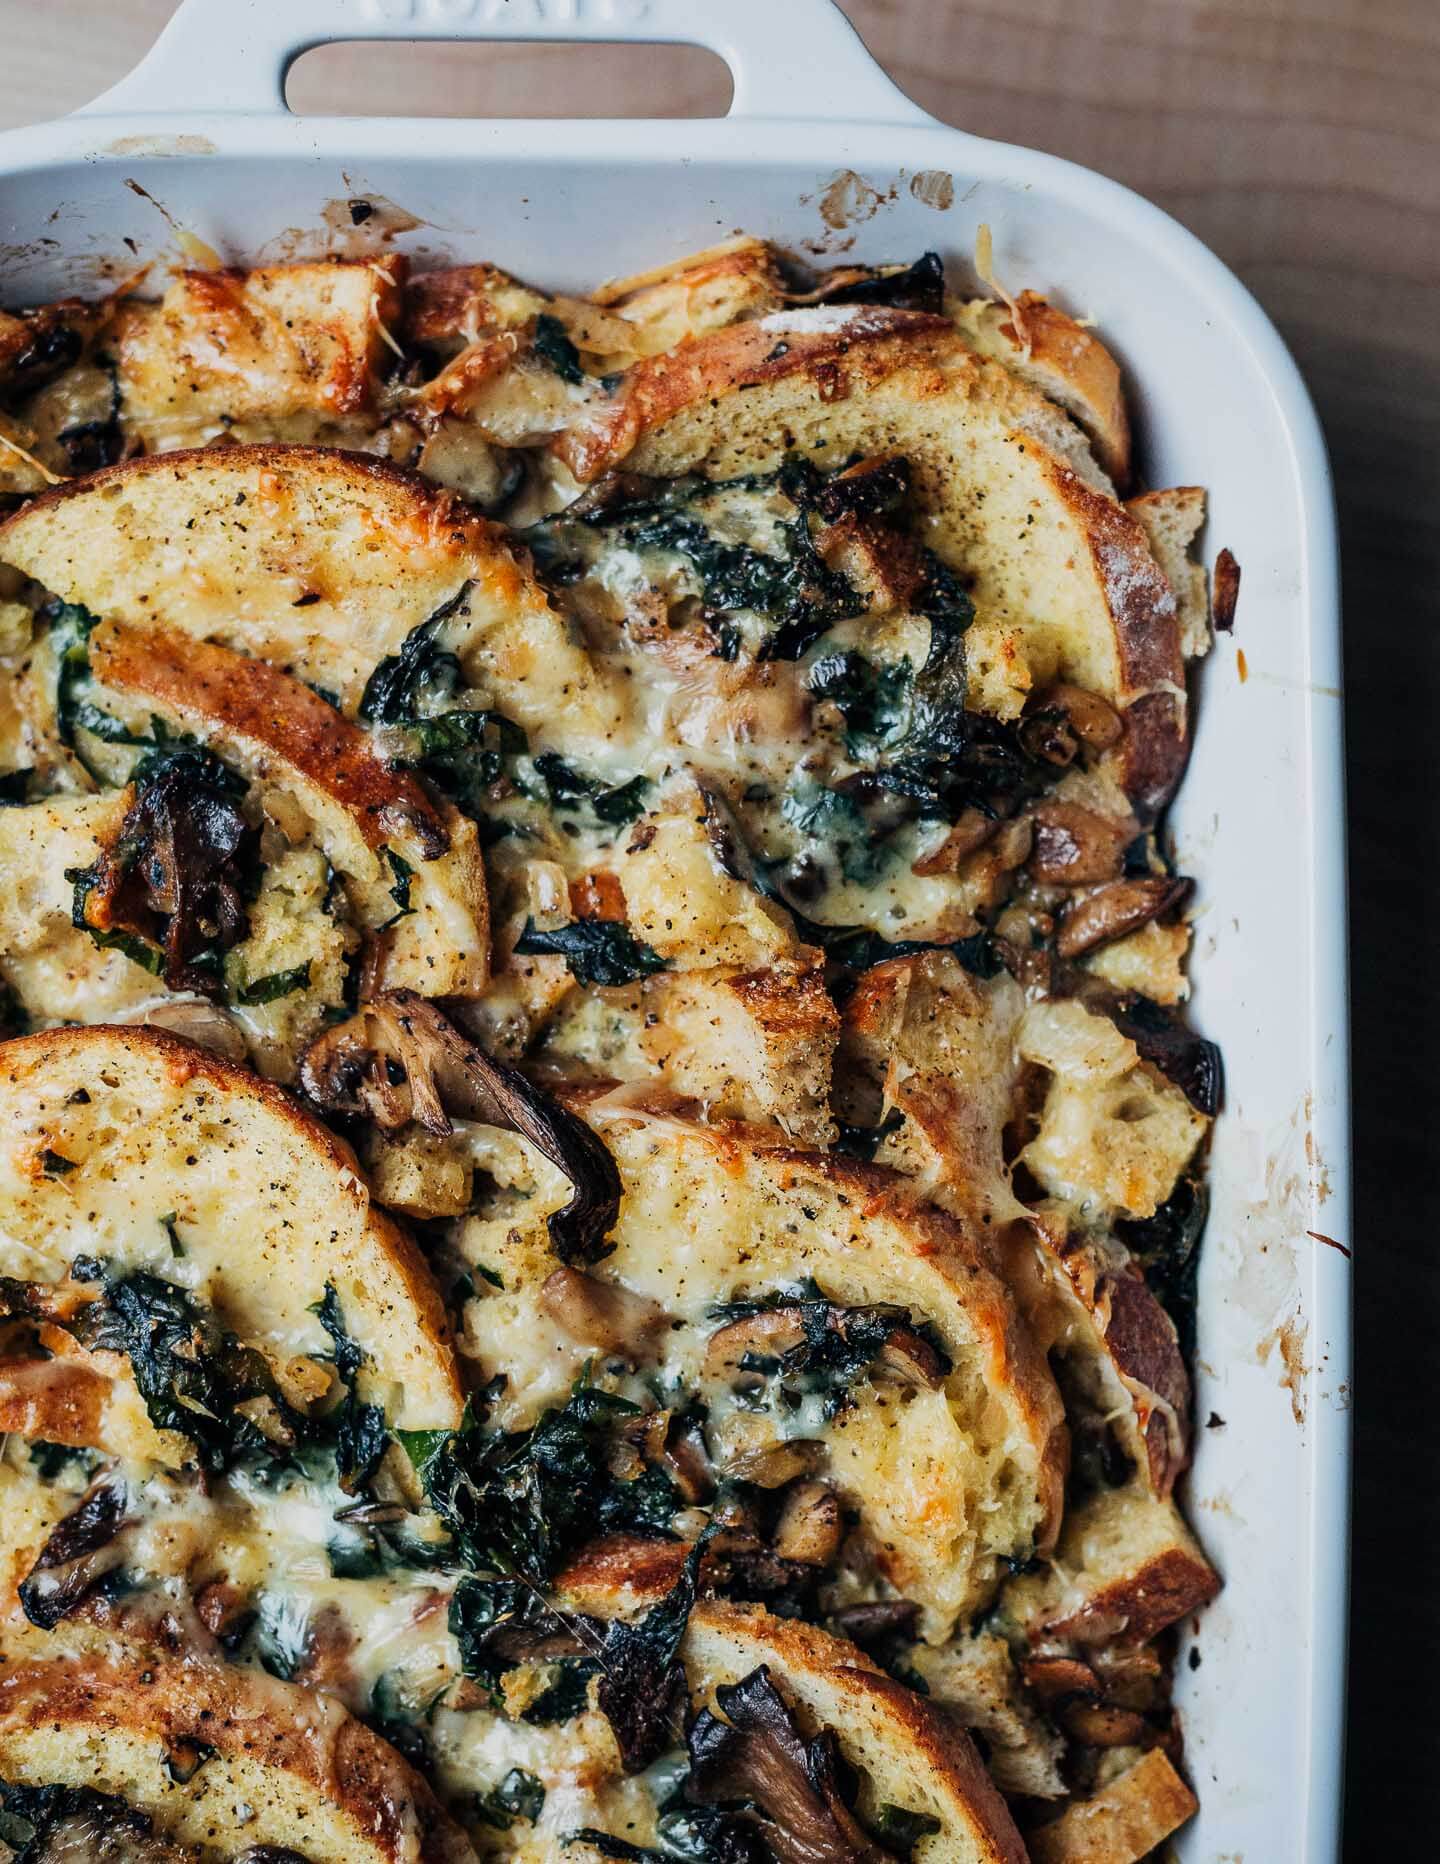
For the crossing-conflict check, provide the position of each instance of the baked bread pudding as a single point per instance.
(601, 1164)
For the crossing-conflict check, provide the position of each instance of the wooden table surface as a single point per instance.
(1301, 140)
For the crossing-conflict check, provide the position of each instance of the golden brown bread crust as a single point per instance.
(1121, 1822)
(389, 1810)
(1066, 361)
(743, 357)
(254, 700)
(1159, 1593)
(57, 1400)
(428, 514)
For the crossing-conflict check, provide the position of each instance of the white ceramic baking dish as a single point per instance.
(821, 151)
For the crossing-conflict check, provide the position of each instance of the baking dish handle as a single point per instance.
(788, 58)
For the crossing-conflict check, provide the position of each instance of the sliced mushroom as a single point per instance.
(1098, 1724)
(176, 871)
(1075, 846)
(769, 1334)
(810, 1525)
(1120, 907)
(972, 829)
(398, 1058)
(601, 1313)
(81, 1551)
(909, 1357)
(771, 1466)
(877, 1623)
(1094, 721)
(197, 1020)
(1059, 1680)
(757, 1757)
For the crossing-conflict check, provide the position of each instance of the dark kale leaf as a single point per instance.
(555, 350)
(404, 873)
(273, 986)
(192, 1375)
(644, 1504)
(396, 1720)
(1167, 1247)
(280, 1636)
(565, 1696)
(360, 1433)
(615, 804)
(421, 673)
(792, 588)
(699, 1835)
(836, 821)
(873, 696)
(702, 1835)
(901, 1831)
(642, 1686)
(518, 1796)
(520, 1502)
(916, 287)
(598, 951)
(859, 950)
(70, 628)
(611, 1847)
(52, 1459)
(464, 753)
(499, 1623)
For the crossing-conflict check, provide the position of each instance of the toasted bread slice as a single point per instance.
(674, 304)
(905, 1754)
(1126, 1567)
(284, 1766)
(283, 352)
(1172, 520)
(1067, 363)
(302, 752)
(1064, 581)
(922, 1037)
(974, 1678)
(942, 1048)
(710, 1213)
(1126, 1820)
(162, 1145)
(318, 561)
(746, 1045)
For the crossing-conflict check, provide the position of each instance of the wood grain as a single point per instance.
(1300, 139)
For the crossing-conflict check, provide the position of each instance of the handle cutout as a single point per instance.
(527, 79)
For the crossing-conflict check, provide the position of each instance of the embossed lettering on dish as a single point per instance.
(511, 13)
